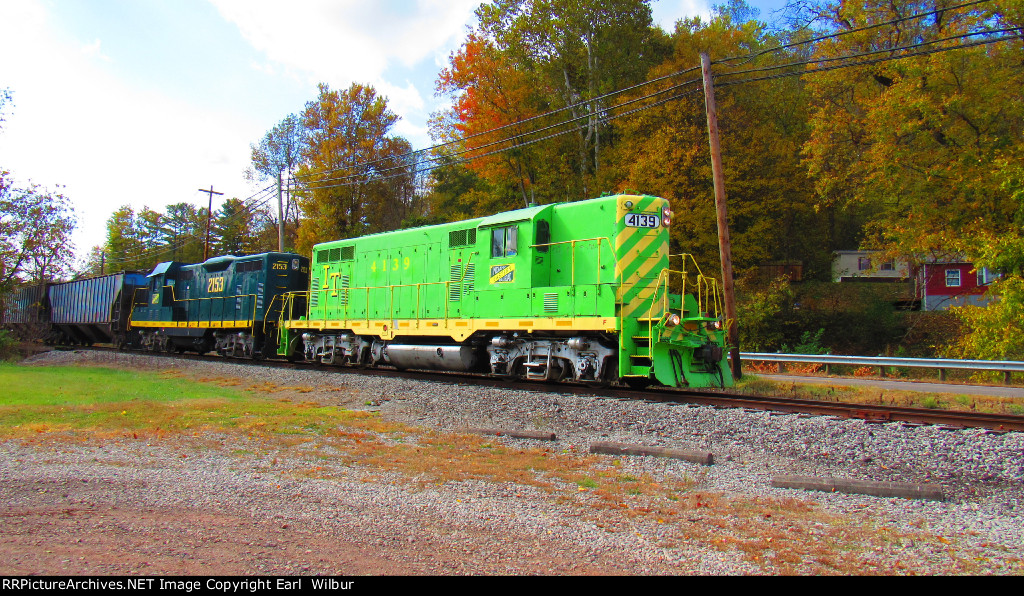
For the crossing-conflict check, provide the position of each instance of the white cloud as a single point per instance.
(667, 12)
(107, 142)
(348, 40)
(341, 42)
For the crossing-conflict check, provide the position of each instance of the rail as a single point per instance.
(1007, 367)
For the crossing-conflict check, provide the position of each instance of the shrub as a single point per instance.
(8, 345)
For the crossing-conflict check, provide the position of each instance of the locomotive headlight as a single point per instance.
(666, 216)
(672, 320)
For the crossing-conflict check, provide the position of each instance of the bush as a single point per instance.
(8, 345)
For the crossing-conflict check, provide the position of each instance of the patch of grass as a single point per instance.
(753, 385)
(108, 401)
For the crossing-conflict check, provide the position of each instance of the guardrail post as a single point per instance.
(881, 371)
(942, 374)
(1006, 377)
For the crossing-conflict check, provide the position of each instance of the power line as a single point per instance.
(874, 61)
(586, 103)
(751, 56)
(582, 103)
(187, 239)
(319, 183)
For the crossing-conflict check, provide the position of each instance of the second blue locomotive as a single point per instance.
(230, 305)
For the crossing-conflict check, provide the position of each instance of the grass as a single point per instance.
(74, 404)
(751, 384)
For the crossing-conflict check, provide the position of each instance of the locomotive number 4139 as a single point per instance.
(642, 220)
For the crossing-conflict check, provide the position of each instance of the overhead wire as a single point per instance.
(753, 55)
(440, 157)
(579, 104)
(592, 101)
(403, 171)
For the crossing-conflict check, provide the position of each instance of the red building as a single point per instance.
(953, 283)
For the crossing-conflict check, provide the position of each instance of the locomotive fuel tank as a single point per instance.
(456, 358)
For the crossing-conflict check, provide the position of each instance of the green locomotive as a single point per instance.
(579, 290)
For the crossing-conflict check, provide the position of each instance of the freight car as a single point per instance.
(78, 312)
(27, 312)
(227, 304)
(581, 291)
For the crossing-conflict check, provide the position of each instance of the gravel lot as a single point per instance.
(220, 505)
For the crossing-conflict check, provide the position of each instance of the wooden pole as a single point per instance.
(209, 218)
(724, 245)
(280, 216)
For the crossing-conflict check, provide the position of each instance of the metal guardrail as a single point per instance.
(1007, 367)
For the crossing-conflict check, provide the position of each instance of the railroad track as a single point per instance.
(952, 420)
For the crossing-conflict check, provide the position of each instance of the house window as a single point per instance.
(952, 278)
(504, 242)
(890, 266)
(863, 263)
(986, 277)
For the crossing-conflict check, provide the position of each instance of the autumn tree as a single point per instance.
(578, 53)
(663, 148)
(353, 171)
(922, 142)
(35, 234)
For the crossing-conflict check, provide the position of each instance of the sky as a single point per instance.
(144, 102)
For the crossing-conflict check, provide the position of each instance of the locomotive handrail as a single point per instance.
(611, 249)
(174, 298)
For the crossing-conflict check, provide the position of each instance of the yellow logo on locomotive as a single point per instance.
(501, 274)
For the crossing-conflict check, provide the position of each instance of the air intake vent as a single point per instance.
(321, 256)
(455, 285)
(314, 295)
(335, 255)
(468, 279)
(344, 289)
(459, 238)
(348, 253)
(550, 302)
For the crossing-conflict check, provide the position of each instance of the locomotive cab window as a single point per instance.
(543, 235)
(504, 241)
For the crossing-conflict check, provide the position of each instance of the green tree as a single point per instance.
(234, 224)
(278, 155)
(185, 232)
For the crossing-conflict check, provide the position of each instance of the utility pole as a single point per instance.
(724, 245)
(280, 216)
(209, 218)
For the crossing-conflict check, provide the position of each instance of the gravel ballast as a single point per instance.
(381, 523)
